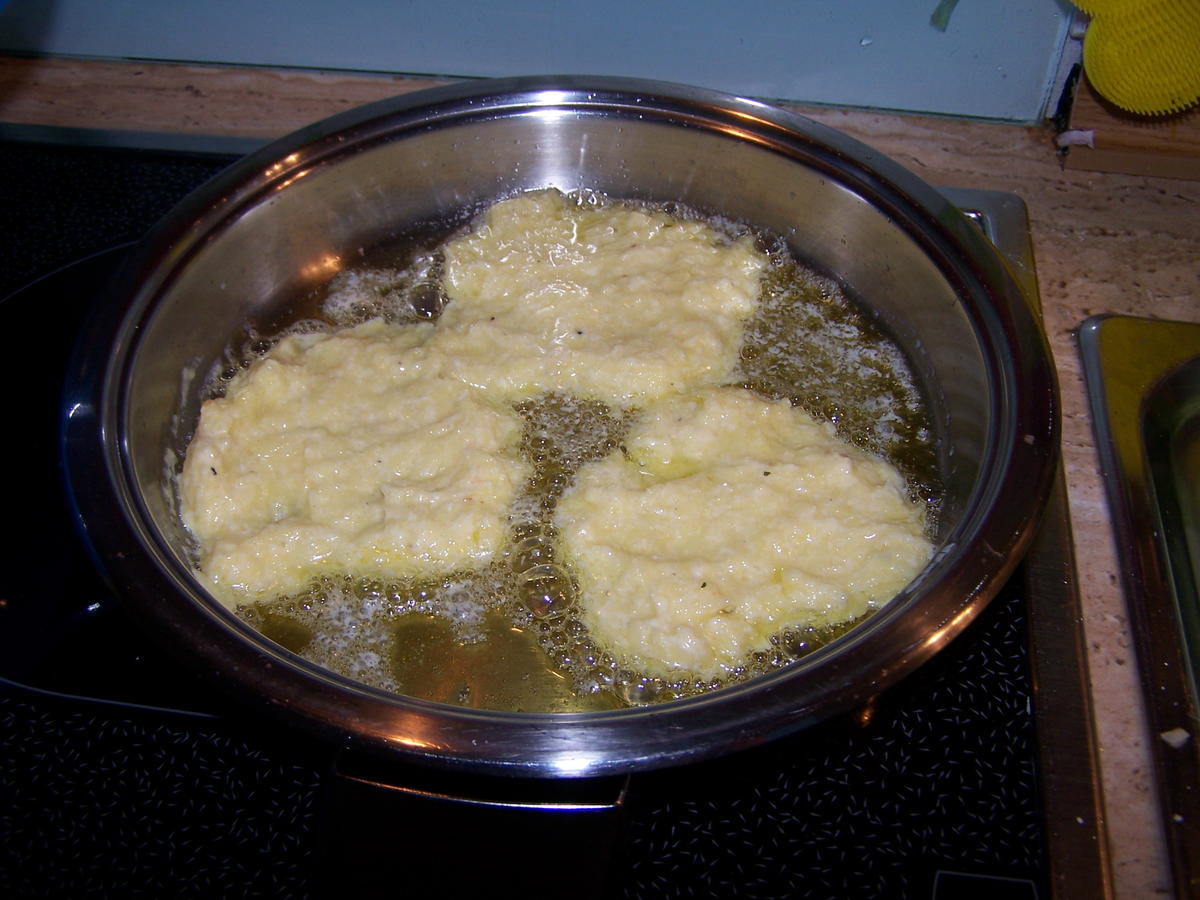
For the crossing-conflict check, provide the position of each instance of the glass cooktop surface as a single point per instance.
(123, 774)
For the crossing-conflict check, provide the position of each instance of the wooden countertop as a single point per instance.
(1103, 243)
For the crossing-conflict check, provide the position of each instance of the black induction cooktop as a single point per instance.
(123, 774)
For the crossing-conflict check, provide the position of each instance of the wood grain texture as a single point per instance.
(182, 99)
(1167, 146)
(1104, 242)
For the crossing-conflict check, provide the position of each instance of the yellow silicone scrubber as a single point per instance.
(1144, 55)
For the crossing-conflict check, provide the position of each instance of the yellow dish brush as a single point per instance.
(1144, 55)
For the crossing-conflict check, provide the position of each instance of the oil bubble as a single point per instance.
(546, 590)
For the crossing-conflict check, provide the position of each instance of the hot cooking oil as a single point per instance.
(509, 636)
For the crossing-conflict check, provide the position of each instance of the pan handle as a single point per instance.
(463, 833)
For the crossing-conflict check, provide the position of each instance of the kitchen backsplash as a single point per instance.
(978, 58)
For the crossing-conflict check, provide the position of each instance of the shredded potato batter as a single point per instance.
(395, 450)
(725, 518)
(350, 452)
(616, 303)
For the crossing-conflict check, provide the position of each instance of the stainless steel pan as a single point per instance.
(269, 228)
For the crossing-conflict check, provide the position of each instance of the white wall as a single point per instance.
(996, 59)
